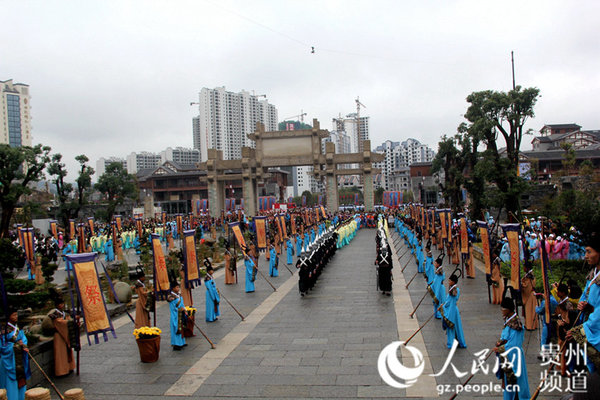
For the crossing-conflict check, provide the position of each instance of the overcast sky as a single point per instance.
(111, 77)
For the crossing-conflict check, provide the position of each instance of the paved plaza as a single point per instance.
(325, 345)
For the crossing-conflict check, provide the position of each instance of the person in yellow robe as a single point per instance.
(142, 316)
(64, 362)
(497, 280)
(230, 266)
(529, 300)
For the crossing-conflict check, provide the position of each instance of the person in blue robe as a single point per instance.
(534, 247)
(420, 258)
(298, 245)
(429, 271)
(136, 245)
(67, 250)
(548, 330)
(452, 315)
(510, 351)
(273, 261)
(505, 252)
(437, 287)
(306, 241)
(589, 303)
(14, 359)
(109, 251)
(312, 235)
(175, 304)
(212, 296)
(250, 277)
(290, 251)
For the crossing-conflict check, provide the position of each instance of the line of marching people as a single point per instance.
(445, 302)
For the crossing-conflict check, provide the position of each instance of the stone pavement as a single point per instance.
(325, 345)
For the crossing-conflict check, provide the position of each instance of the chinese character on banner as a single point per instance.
(92, 294)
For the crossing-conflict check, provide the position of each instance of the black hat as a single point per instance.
(594, 241)
(508, 304)
(563, 288)
(174, 283)
(453, 278)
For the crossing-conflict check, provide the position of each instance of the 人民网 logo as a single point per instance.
(393, 372)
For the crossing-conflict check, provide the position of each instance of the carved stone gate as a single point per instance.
(287, 149)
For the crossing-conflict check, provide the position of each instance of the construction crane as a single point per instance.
(339, 122)
(358, 106)
(301, 116)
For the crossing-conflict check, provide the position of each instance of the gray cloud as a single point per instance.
(108, 78)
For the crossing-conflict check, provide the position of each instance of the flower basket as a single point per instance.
(149, 349)
(148, 341)
(188, 328)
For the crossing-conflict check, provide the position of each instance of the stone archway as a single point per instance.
(287, 149)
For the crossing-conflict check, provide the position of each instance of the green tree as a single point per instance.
(19, 167)
(117, 186)
(448, 159)
(69, 205)
(297, 125)
(309, 198)
(503, 114)
(11, 257)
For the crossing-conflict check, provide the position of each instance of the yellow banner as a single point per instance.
(179, 219)
(515, 262)
(190, 253)
(81, 242)
(449, 222)
(237, 232)
(160, 266)
(261, 232)
(485, 243)
(464, 237)
(283, 227)
(54, 229)
(443, 222)
(92, 300)
(71, 230)
(28, 246)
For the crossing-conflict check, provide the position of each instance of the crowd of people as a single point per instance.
(309, 238)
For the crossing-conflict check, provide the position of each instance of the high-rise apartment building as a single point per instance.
(102, 163)
(180, 155)
(142, 160)
(356, 128)
(341, 141)
(137, 161)
(226, 118)
(15, 116)
(398, 157)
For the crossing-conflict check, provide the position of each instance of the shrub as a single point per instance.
(19, 285)
(559, 269)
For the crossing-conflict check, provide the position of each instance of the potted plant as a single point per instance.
(148, 341)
